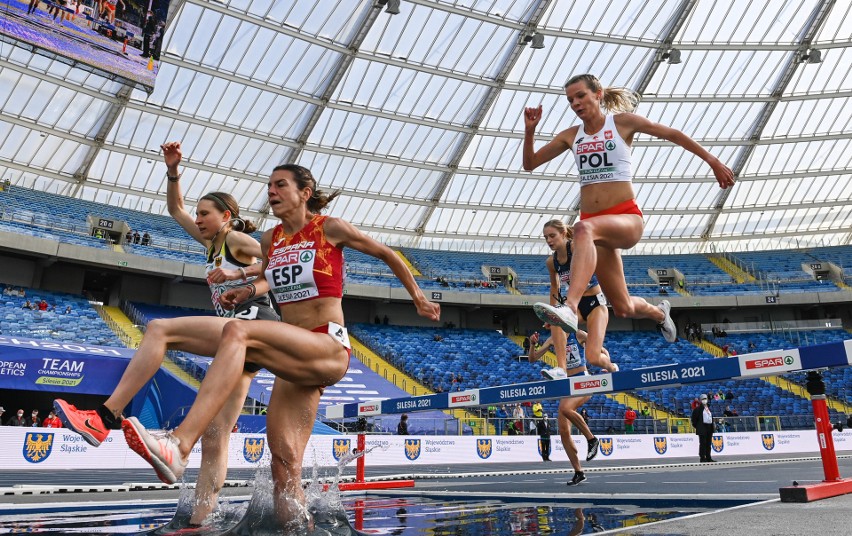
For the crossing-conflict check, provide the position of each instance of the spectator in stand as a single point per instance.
(2, 411)
(128, 238)
(42, 305)
(146, 239)
(26, 305)
(52, 421)
(385, 320)
(402, 427)
(751, 346)
(52, 308)
(18, 419)
(537, 409)
(34, 422)
(585, 415)
(729, 395)
(646, 412)
(500, 420)
(730, 412)
(137, 238)
(629, 419)
(67, 310)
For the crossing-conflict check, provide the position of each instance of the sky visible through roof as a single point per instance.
(416, 117)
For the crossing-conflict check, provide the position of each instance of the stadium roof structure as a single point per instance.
(417, 116)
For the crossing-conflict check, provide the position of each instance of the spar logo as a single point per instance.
(340, 448)
(590, 147)
(37, 447)
(718, 443)
(412, 449)
(768, 441)
(769, 362)
(372, 408)
(586, 385)
(661, 444)
(463, 398)
(483, 448)
(253, 448)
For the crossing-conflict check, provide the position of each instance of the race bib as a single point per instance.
(292, 277)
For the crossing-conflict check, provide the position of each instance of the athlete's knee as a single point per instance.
(235, 331)
(623, 309)
(159, 328)
(582, 231)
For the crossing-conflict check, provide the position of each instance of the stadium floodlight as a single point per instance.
(537, 41)
(672, 56)
(392, 7)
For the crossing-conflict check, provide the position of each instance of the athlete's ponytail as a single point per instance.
(560, 226)
(226, 202)
(304, 179)
(614, 99)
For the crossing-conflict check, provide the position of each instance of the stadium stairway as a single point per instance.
(800, 391)
(709, 347)
(411, 268)
(731, 269)
(410, 385)
(131, 336)
(121, 325)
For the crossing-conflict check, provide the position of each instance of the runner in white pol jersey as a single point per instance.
(610, 219)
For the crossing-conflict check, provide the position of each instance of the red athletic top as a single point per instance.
(305, 265)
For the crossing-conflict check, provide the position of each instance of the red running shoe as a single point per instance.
(85, 422)
(163, 454)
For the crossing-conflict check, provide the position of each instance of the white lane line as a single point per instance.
(749, 481)
(687, 482)
(692, 516)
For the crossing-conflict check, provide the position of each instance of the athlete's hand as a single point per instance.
(172, 156)
(220, 275)
(234, 297)
(534, 338)
(531, 117)
(724, 175)
(428, 309)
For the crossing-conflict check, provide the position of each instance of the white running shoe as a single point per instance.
(555, 373)
(558, 315)
(163, 454)
(667, 327)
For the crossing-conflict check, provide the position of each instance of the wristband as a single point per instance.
(243, 271)
(252, 291)
(173, 179)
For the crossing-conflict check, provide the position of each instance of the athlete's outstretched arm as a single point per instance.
(637, 123)
(343, 233)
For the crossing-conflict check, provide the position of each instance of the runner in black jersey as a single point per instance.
(231, 261)
(592, 307)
